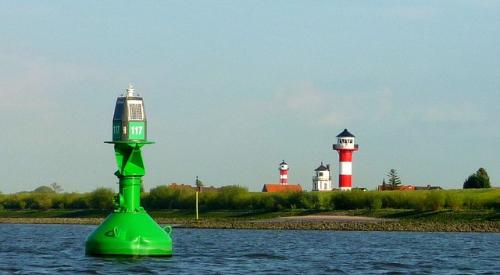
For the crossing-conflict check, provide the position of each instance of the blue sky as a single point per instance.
(234, 87)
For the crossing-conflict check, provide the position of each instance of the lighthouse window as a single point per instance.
(320, 174)
(135, 111)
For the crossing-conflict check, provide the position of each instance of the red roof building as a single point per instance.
(276, 187)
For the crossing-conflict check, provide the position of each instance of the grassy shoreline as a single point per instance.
(402, 220)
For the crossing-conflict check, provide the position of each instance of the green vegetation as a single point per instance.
(56, 187)
(234, 207)
(238, 198)
(199, 183)
(98, 199)
(393, 177)
(480, 179)
(44, 189)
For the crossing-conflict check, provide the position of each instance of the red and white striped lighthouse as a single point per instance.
(345, 146)
(283, 173)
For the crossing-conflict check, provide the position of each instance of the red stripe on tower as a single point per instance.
(345, 146)
(283, 173)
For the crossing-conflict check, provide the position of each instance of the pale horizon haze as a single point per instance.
(232, 88)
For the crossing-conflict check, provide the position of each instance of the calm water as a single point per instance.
(59, 248)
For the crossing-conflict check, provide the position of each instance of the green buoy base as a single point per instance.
(129, 233)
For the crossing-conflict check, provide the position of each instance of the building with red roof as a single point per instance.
(276, 187)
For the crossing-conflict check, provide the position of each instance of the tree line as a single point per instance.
(239, 198)
(479, 179)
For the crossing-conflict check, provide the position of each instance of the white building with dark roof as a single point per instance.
(322, 180)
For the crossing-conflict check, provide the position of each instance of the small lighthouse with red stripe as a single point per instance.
(283, 173)
(345, 146)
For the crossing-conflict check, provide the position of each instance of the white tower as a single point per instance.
(322, 181)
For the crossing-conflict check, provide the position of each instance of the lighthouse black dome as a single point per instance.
(322, 168)
(345, 133)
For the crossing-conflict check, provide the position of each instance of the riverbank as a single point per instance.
(492, 227)
(356, 220)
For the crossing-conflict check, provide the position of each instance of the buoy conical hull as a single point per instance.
(130, 233)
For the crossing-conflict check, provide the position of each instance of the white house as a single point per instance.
(322, 181)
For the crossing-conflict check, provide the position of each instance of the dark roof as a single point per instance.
(272, 187)
(345, 133)
(322, 168)
(283, 162)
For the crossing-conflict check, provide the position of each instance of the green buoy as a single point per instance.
(129, 230)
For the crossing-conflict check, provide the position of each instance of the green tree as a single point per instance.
(42, 202)
(394, 179)
(199, 183)
(44, 189)
(101, 198)
(56, 187)
(480, 179)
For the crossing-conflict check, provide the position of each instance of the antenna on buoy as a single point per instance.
(130, 90)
